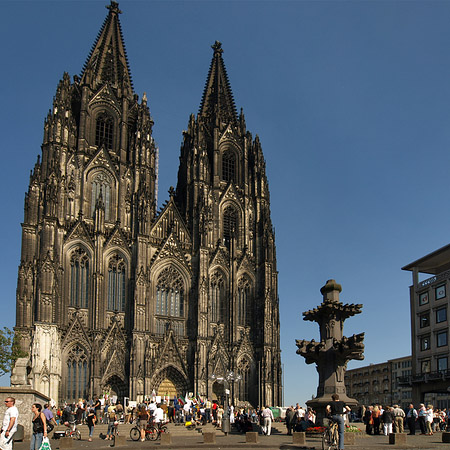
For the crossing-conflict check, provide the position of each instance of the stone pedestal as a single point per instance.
(209, 437)
(349, 438)
(119, 441)
(251, 437)
(397, 439)
(25, 397)
(299, 438)
(166, 438)
(65, 442)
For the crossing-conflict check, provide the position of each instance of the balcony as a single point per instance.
(408, 380)
(429, 281)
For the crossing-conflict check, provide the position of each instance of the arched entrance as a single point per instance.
(115, 386)
(167, 388)
(218, 392)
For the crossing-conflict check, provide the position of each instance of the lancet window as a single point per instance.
(229, 225)
(229, 165)
(101, 189)
(116, 283)
(104, 129)
(170, 293)
(244, 293)
(79, 279)
(77, 374)
(244, 385)
(217, 297)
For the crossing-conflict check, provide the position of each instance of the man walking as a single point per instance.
(9, 425)
(267, 416)
(411, 418)
(399, 416)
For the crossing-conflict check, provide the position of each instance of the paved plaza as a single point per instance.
(184, 439)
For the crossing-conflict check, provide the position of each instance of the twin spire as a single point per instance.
(108, 63)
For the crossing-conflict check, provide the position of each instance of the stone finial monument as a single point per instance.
(334, 350)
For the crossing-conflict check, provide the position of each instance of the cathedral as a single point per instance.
(115, 295)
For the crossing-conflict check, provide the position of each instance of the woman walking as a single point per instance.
(39, 426)
(90, 420)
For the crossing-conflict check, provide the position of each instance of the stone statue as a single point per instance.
(334, 350)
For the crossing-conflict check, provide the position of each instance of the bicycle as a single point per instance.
(330, 437)
(72, 430)
(152, 432)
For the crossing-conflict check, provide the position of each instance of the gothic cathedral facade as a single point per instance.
(115, 295)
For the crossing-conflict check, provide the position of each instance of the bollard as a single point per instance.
(349, 438)
(397, 439)
(209, 437)
(299, 438)
(65, 442)
(19, 434)
(166, 438)
(446, 437)
(119, 441)
(251, 437)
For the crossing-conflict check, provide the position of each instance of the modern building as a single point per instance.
(429, 302)
(378, 383)
(115, 296)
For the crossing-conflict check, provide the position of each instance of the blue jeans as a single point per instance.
(341, 428)
(91, 430)
(36, 441)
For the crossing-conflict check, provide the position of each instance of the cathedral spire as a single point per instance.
(217, 101)
(107, 62)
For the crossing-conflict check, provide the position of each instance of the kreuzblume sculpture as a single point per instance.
(334, 350)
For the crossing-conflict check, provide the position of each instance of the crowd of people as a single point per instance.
(392, 419)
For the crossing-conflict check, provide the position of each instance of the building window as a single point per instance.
(170, 293)
(217, 293)
(116, 284)
(77, 374)
(79, 279)
(244, 293)
(101, 189)
(425, 343)
(441, 315)
(104, 129)
(426, 366)
(442, 363)
(441, 338)
(228, 165)
(440, 292)
(423, 298)
(229, 225)
(424, 321)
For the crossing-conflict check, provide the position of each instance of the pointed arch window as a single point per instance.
(244, 293)
(101, 187)
(217, 297)
(229, 165)
(229, 224)
(104, 129)
(170, 293)
(78, 372)
(79, 279)
(116, 284)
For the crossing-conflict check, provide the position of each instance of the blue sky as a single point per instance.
(351, 101)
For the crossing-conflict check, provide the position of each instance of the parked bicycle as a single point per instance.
(330, 437)
(72, 430)
(152, 432)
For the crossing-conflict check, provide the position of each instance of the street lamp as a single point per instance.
(230, 376)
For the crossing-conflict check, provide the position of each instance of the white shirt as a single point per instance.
(159, 415)
(12, 411)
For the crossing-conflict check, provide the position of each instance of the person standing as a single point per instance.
(267, 416)
(9, 425)
(411, 418)
(388, 418)
(290, 420)
(39, 426)
(399, 416)
(90, 420)
(336, 410)
(429, 416)
(422, 413)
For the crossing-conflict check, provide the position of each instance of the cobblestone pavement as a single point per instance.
(184, 439)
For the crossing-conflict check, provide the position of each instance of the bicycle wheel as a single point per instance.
(152, 434)
(163, 430)
(77, 434)
(334, 440)
(326, 440)
(135, 434)
(67, 432)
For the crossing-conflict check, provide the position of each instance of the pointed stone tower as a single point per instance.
(115, 297)
(223, 195)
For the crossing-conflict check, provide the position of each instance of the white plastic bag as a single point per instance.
(45, 444)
